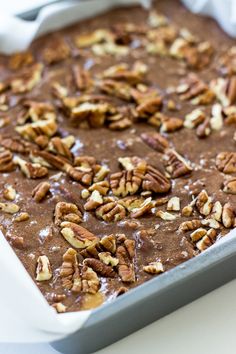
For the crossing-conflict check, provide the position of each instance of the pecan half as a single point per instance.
(31, 131)
(155, 181)
(76, 235)
(43, 269)
(40, 191)
(58, 146)
(206, 240)
(127, 182)
(67, 212)
(100, 268)
(111, 210)
(226, 162)
(69, 271)
(125, 254)
(6, 161)
(144, 208)
(156, 141)
(175, 164)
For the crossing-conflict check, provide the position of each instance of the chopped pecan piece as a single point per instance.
(93, 201)
(109, 243)
(6, 161)
(155, 181)
(204, 203)
(102, 187)
(195, 90)
(59, 307)
(22, 217)
(107, 258)
(99, 267)
(206, 240)
(171, 124)
(111, 210)
(194, 118)
(117, 89)
(204, 129)
(40, 191)
(225, 90)
(142, 209)
(217, 211)
(121, 72)
(149, 106)
(56, 51)
(125, 255)
(89, 39)
(227, 62)
(228, 215)
(164, 215)
(9, 208)
(9, 192)
(190, 225)
(76, 235)
(58, 146)
(15, 144)
(31, 170)
(230, 186)
(173, 204)
(31, 131)
(93, 113)
(28, 80)
(226, 162)
(175, 164)
(154, 268)
(43, 269)
(81, 77)
(67, 212)
(155, 141)
(20, 60)
(90, 280)
(198, 234)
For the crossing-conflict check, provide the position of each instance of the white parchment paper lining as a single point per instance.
(25, 315)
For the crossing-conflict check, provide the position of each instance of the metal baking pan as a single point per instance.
(153, 299)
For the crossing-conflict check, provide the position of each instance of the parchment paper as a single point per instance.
(25, 315)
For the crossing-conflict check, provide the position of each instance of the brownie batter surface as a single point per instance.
(117, 150)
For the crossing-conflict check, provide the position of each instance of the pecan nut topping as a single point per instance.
(90, 280)
(155, 141)
(43, 269)
(100, 268)
(30, 170)
(69, 271)
(230, 186)
(125, 255)
(40, 191)
(111, 210)
(154, 268)
(228, 215)
(226, 162)
(76, 235)
(155, 181)
(67, 212)
(6, 161)
(176, 165)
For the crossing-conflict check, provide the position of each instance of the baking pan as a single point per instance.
(154, 299)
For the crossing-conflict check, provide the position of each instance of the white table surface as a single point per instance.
(206, 326)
